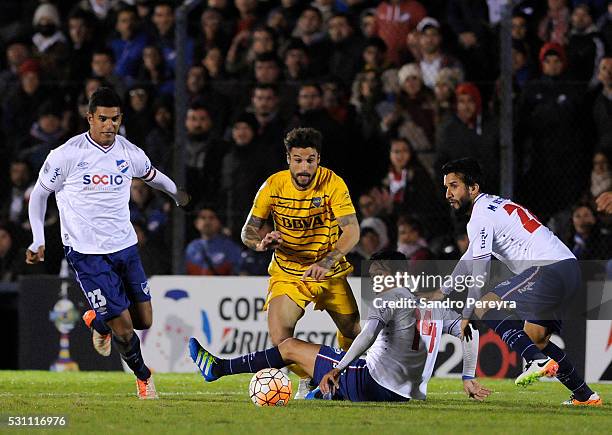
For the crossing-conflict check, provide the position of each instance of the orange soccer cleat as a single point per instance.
(594, 400)
(101, 342)
(146, 389)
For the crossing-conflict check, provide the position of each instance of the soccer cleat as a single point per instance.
(535, 370)
(594, 400)
(101, 342)
(203, 359)
(304, 387)
(146, 389)
(317, 394)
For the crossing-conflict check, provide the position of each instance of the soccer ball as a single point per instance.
(270, 387)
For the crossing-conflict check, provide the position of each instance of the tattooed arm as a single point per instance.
(251, 238)
(348, 239)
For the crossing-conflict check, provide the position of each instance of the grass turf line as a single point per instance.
(106, 401)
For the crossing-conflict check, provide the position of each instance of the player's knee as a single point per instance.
(142, 324)
(287, 348)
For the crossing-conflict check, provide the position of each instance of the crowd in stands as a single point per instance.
(397, 88)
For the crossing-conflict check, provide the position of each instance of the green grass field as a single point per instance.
(105, 402)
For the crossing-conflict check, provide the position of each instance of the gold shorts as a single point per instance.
(331, 295)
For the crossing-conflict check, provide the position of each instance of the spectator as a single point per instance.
(17, 52)
(103, 67)
(584, 48)
(586, 240)
(555, 24)
(246, 47)
(367, 24)
(163, 34)
(413, 117)
(374, 237)
(154, 71)
(128, 46)
(432, 58)
(395, 19)
(374, 55)
(148, 209)
(137, 116)
(212, 34)
(270, 126)
(309, 29)
(470, 134)
(604, 25)
(212, 253)
(411, 187)
(158, 144)
(199, 89)
(601, 174)
(345, 48)
(14, 204)
(20, 106)
(522, 34)
(45, 134)
(204, 153)
(242, 173)
(296, 63)
(214, 62)
(549, 129)
(444, 91)
(410, 239)
(366, 99)
(602, 107)
(50, 45)
(80, 32)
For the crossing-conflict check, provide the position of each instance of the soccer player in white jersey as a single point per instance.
(547, 275)
(398, 363)
(91, 176)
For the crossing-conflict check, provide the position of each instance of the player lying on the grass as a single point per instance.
(547, 275)
(396, 368)
(91, 175)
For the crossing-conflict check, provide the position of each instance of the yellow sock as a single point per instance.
(298, 371)
(343, 342)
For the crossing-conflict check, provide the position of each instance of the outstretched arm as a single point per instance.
(470, 339)
(158, 180)
(347, 241)
(37, 208)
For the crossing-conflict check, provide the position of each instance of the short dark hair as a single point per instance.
(412, 222)
(105, 51)
(304, 137)
(387, 255)
(266, 86)
(103, 97)
(467, 169)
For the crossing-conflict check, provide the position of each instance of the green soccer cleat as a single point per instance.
(535, 370)
(203, 359)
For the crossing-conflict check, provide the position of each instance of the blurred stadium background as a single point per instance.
(397, 88)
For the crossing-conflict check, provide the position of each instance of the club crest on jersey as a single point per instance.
(47, 167)
(144, 286)
(82, 165)
(316, 202)
(123, 166)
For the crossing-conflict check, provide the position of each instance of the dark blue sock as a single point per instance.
(250, 363)
(567, 373)
(510, 328)
(130, 352)
(99, 325)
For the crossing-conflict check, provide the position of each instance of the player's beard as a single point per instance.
(463, 209)
(297, 180)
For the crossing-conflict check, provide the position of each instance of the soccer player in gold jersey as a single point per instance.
(315, 226)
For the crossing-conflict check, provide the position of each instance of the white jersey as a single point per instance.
(403, 355)
(396, 359)
(501, 228)
(92, 190)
